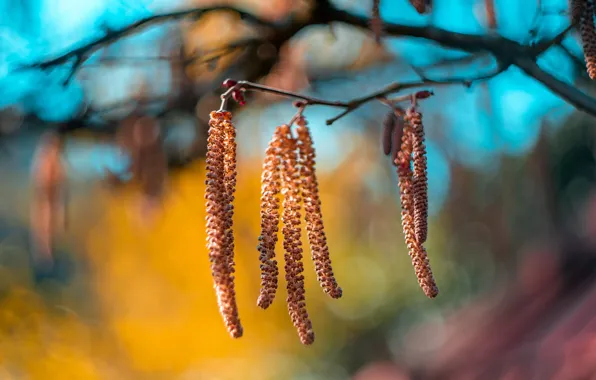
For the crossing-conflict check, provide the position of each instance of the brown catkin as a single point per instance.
(491, 16)
(576, 10)
(415, 250)
(230, 187)
(424, 274)
(270, 189)
(588, 37)
(292, 244)
(405, 176)
(217, 212)
(389, 123)
(422, 6)
(149, 161)
(396, 137)
(376, 22)
(420, 178)
(48, 203)
(313, 215)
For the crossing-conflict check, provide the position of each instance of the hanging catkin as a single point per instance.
(576, 10)
(270, 189)
(217, 204)
(420, 179)
(422, 6)
(376, 22)
(291, 233)
(48, 202)
(313, 215)
(416, 250)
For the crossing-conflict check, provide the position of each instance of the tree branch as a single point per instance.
(356, 103)
(82, 53)
(506, 52)
(566, 91)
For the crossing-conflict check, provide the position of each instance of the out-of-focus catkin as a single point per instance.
(313, 215)
(422, 6)
(292, 244)
(376, 22)
(389, 123)
(491, 17)
(576, 10)
(270, 189)
(149, 164)
(415, 249)
(588, 37)
(217, 204)
(420, 179)
(48, 203)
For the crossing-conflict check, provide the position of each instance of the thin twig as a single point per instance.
(354, 104)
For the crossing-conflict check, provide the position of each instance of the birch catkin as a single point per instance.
(270, 190)
(217, 203)
(576, 10)
(230, 188)
(416, 250)
(48, 203)
(420, 179)
(292, 244)
(422, 6)
(313, 215)
(376, 22)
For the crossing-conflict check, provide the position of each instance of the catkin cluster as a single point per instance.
(219, 195)
(413, 185)
(289, 186)
(289, 171)
(582, 11)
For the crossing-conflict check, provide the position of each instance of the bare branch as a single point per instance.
(82, 53)
(543, 46)
(566, 91)
(353, 104)
(507, 52)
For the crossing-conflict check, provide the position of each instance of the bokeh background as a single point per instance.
(513, 209)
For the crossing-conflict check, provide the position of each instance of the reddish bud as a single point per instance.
(299, 104)
(238, 97)
(424, 94)
(228, 83)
